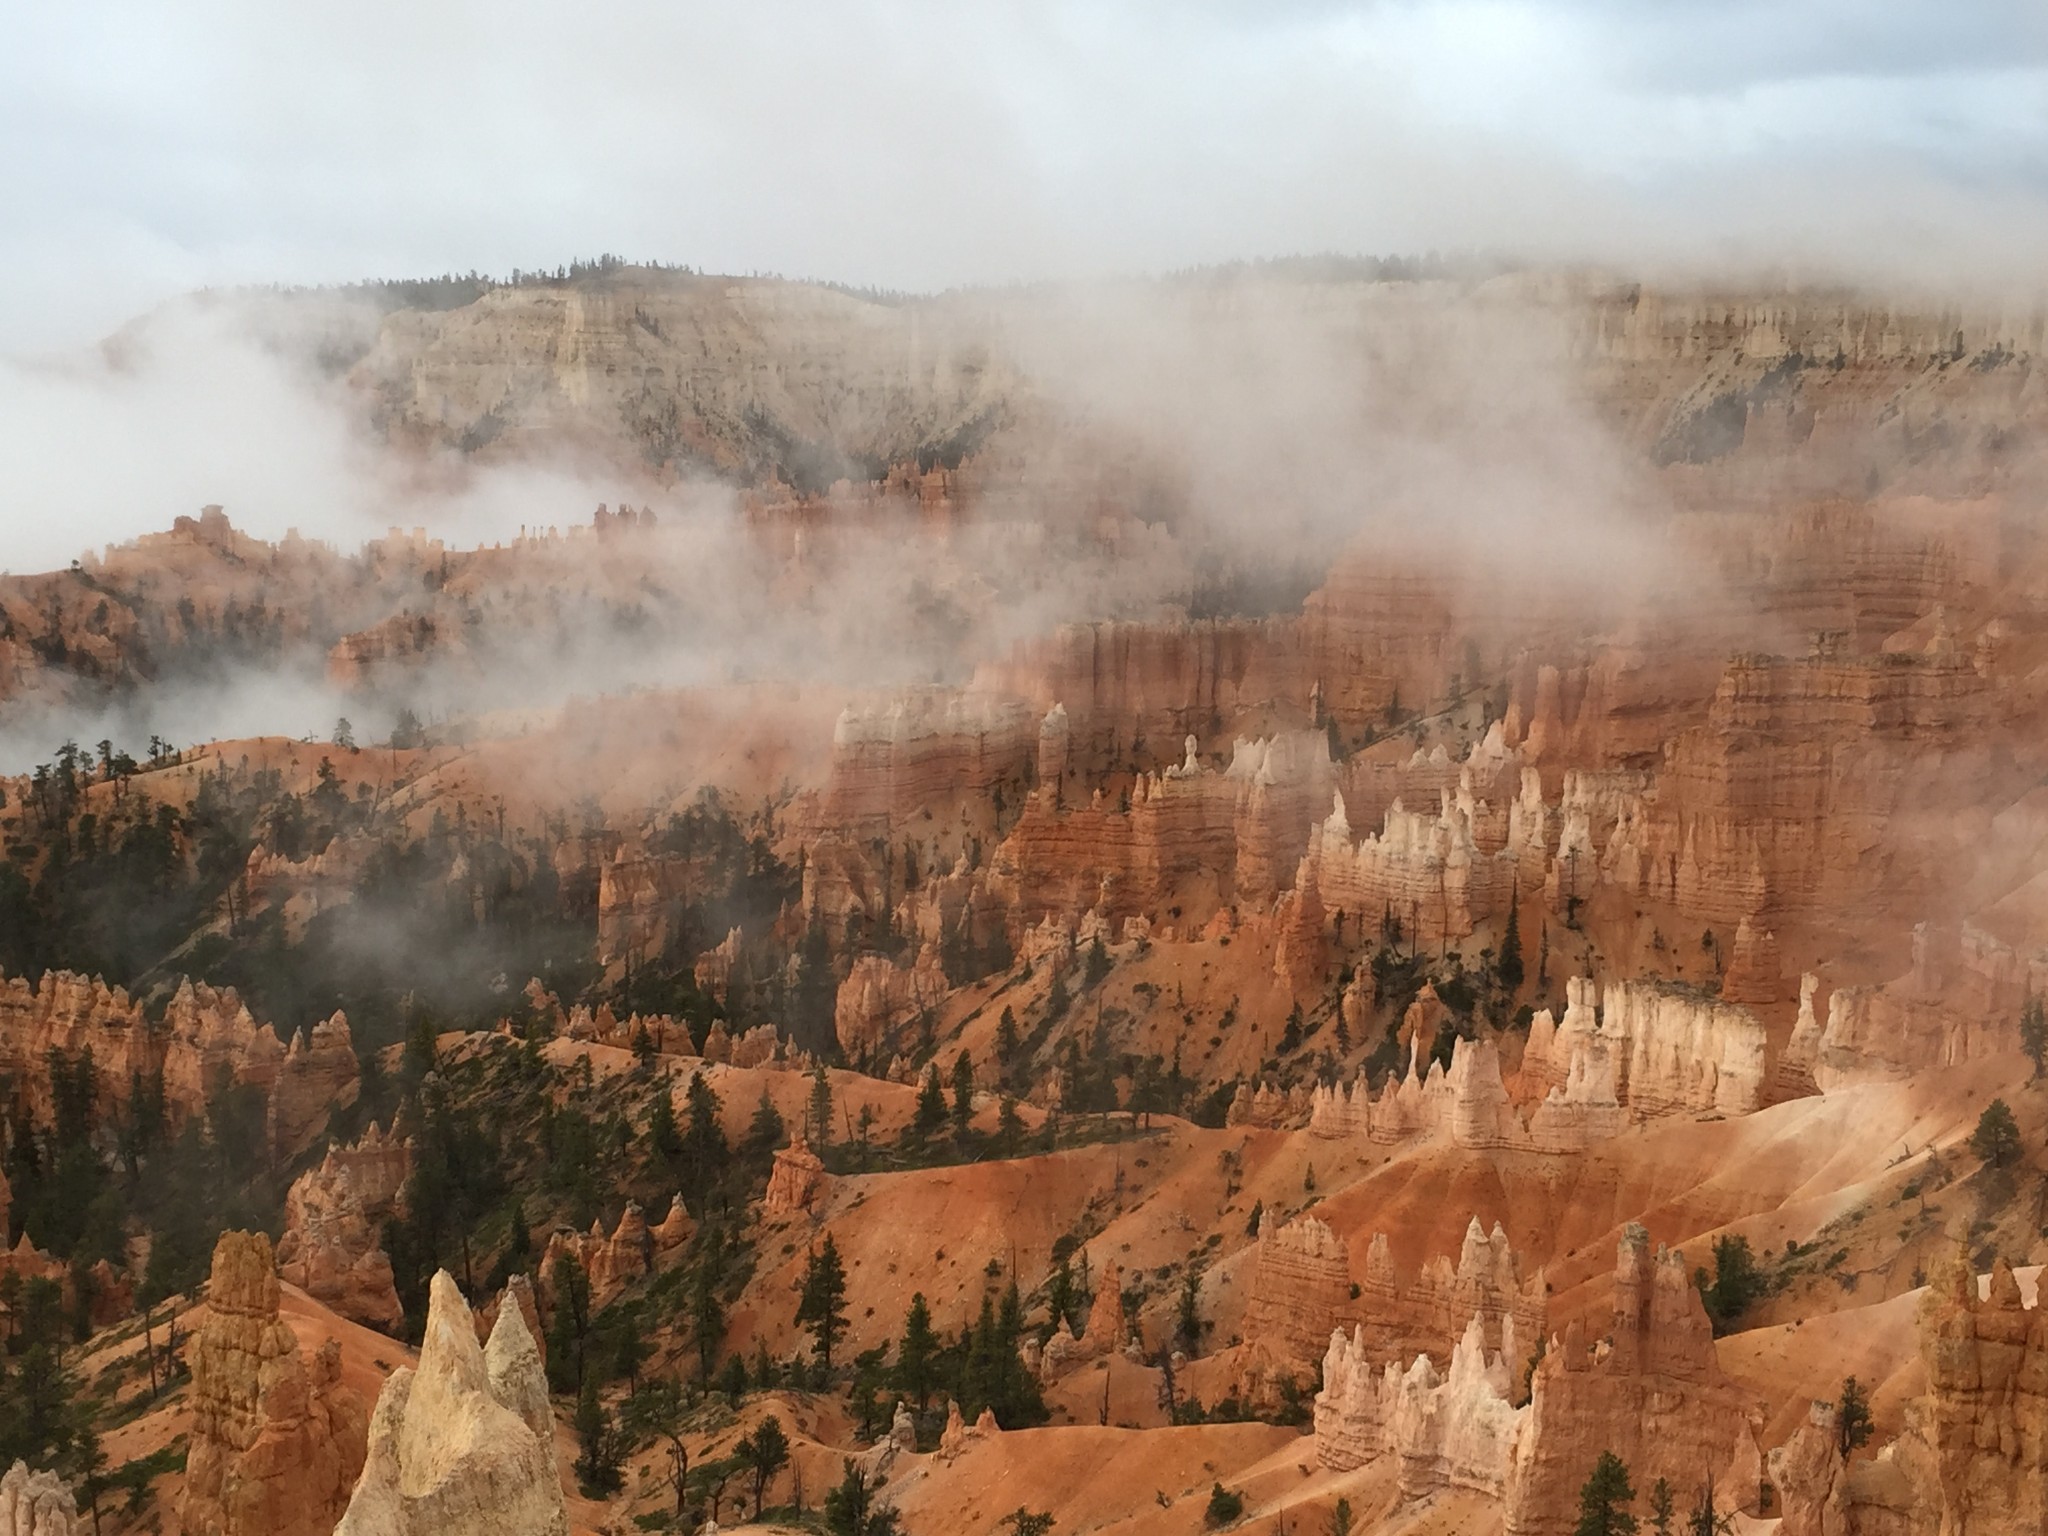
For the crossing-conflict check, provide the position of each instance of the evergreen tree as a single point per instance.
(766, 1452)
(1188, 1325)
(2034, 1034)
(852, 1509)
(1601, 1498)
(570, 1328)
(1006, 1037)
(931, 1107)
(1098, 963)
(664, 1141)
(963, 1094)
(1853, 1423)
(820, 1114)
(823, 1307)
(1662, 1503)
(1510, 969)
(1705, 1519)
(1997, 1137)
(707, 1320)
(705, 1153)
(1009, 1127)
(601, 1466)
(765, 1130)
(732, 1380)
(917, 1355)
(1737, 1283)
(1060, 1295)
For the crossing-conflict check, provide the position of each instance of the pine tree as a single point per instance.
(600, 1468)
(1059, 1294)
(1188, 1324)
(1601, 1498)
(963, 1094)
(765, 1130)
(2034, 1034)
(570, 1328)
(705, 1153)
(664, 1141)
(766, 1452)
(1853, 1424)
(1997, 1137)
(707, 1320)
(1009, 1127)
(1510, 969)
(917, 1355)
(931, 1107)
(1662, 1502)
(821, 1109)
(823, 1307)
(1006, 1037)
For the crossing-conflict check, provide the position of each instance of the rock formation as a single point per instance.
(1987, 1385)
(1301, 1292)
(334, 1215)
(205, 1035)
(612, 1262)
(878, 998)
(277, 1440)
(462, 1444)
(1663, 1048)
(1656, 1398)
(1104, 1332)
(1457, 1430)
(795, 1179)
(36, 1504)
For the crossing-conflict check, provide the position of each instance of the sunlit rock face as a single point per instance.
(461, 1444)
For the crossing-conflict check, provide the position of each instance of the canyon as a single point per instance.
(1388, 1031)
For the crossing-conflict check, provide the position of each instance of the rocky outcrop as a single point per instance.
(880, 998)
(1104, 1331)
(1987, 1387)
(1427, 871)
(205, 1036)
(277, 1440)
(1454, 1430)
(612, 1263)
(334, 1215)
(36, 1504)
(1468, 1105)
(795, 1180)
(929, 747)
(461, 1444)
(1656, 1397)
(1960, 1001)
(1755, 973)
(1666, 1049)
(1302, 1291)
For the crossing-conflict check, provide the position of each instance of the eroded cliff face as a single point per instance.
(461, 1444)
(333, 1243)
(1654, 1395)
(206, 1035)
(277, 1439)
(1987, 1379)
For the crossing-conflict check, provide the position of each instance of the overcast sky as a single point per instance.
(154, 146)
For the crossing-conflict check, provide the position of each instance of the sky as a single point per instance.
(155, 146)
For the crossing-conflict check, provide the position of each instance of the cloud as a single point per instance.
(152, 146)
